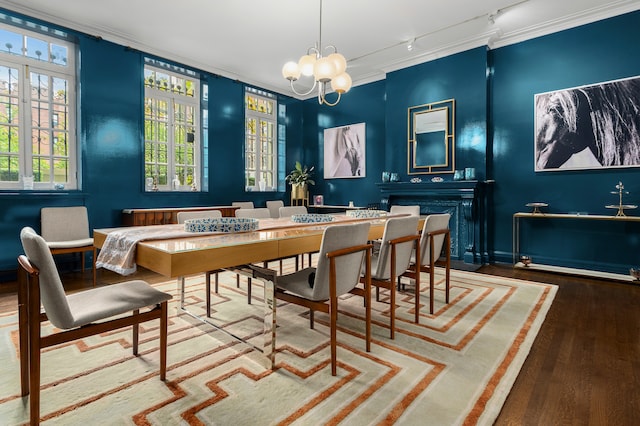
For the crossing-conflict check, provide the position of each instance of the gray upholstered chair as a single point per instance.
(343, 251)
(435, 236)
(243, 204)
(412, 210)
(78, 315)
(288, 211)
(274, 207)
(66, 230)
(258, 213)
(399, 240)
(202, 214)
(199, 214)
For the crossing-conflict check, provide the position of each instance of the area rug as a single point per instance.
(455, 367)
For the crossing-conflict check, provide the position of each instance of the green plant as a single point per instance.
(300, 175)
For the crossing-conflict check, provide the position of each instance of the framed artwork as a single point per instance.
(588, 127)
(344, 152)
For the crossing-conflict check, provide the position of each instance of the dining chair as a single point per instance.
(343, 252)
(288, 211)
(399, 239)
(66, 230)
(398, 209)
(243, 204)
(274, 207)
(200, 214)
(434, 237)
(257, 213)
(77, 315)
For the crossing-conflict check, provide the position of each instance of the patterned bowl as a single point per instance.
(311, 218)
(221, 224)
(362, 214)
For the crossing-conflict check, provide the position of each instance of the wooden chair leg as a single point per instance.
(207, 289)
(311, 323)
(249, 290)
(34, 355)
(333, 313)
(136, 334)
(23, 332)
(163, 340)
(93, 265)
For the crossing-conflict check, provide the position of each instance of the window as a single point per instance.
(172, 133)
(261, 139)
(37, 110)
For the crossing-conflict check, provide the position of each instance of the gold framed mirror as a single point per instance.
(431, 136)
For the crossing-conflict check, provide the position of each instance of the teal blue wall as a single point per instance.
(493, 90)
(598, 52)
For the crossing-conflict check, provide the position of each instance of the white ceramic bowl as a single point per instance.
(221, 224)
(311, 218)
(360, 214)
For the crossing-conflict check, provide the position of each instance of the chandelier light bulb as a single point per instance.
(341, 83)
(324, 70)
(291, 71)
(339, 62)
(306, 64)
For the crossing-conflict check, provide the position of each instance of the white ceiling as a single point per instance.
(250, 40)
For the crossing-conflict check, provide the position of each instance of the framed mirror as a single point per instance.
(431, 132)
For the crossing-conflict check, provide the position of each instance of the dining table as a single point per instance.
(171, 251)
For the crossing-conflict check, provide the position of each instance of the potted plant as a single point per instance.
(300, 178)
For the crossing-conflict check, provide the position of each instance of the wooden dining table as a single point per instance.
(194, 254)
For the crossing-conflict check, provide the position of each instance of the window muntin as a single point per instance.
(37, 111)
(261, 141)
(172, 149)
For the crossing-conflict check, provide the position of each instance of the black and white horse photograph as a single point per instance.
(588, 127)
(344, 152)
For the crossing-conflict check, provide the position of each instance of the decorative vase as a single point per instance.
(299, 191)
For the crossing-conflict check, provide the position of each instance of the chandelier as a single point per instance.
(325, 70)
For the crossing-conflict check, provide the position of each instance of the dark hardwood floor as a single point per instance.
(583, 368)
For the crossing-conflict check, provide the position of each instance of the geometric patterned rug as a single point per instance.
(455, 367)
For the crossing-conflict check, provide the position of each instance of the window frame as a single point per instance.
(26, 66)
(272, 119)
(151, 183)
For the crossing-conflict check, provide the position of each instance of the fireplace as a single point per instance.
(463, 200)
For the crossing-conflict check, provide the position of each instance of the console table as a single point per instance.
(166, 216)
(517, 217)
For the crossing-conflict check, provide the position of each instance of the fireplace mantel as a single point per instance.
(464, 200)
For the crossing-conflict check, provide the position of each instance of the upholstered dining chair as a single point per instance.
(66, 230)
(399, 239)
(202, 214)
(77, 315)
(257, 213)
(435, 235)
(274, 207)
(343, 251)
(398, 209)
(288, 211)
(243, 204)
(199, 214)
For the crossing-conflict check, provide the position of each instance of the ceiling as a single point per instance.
(250, 40)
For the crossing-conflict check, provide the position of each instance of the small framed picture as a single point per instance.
(318, 200)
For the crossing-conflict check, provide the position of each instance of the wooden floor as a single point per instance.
(583, 369)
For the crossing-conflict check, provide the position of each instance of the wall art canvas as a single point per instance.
(344, 152)
(588, 127)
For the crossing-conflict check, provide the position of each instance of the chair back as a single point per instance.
(433, 222)
(64, 223)
(288, 211)
(412, 210)
(274, 207)
(201, 214)
(243, 204)
(259, 213)
(395, 228)
(348, 267)
(52, 293)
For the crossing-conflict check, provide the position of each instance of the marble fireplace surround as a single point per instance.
(464, 200)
